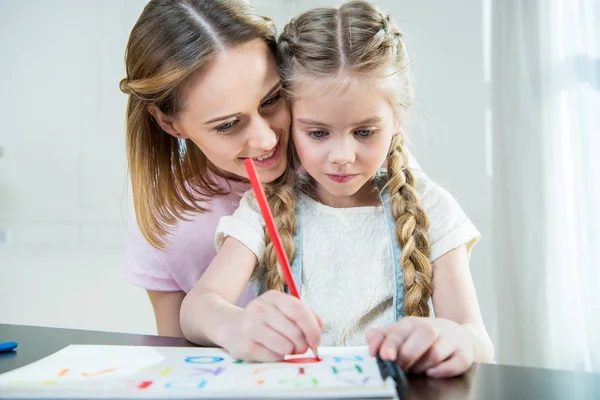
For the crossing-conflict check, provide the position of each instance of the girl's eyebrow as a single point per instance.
(366, 121)
(307, 121)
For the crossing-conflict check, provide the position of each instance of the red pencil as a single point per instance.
(273, 233)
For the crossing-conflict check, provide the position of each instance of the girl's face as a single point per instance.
(233, 110)
(342, 138)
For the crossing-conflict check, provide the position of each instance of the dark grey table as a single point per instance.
(487, 382)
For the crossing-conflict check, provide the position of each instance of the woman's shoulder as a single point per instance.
(199, 219)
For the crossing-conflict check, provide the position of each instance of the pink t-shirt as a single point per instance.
(191, 249)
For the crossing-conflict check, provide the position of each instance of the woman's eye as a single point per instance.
(273, 100)
(226, 126)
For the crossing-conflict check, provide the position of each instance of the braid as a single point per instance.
(411, 232)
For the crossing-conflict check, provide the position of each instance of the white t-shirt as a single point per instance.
(347, 265)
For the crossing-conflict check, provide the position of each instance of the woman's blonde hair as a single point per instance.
(357, 41)
(171, 40)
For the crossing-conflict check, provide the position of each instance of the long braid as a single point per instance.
(411, 232)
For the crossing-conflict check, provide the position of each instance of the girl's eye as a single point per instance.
(364, 132)
(317, 134)
(226, 126)
(272, 101)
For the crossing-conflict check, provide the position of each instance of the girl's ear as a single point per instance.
(166, 122)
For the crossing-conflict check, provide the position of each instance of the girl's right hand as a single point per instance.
(271, 326)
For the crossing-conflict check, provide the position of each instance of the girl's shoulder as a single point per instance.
(449, 225)
(422, 183)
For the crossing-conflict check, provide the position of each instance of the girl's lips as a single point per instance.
(341, 178)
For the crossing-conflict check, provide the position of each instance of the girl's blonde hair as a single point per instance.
(356, 41)
(171, 40)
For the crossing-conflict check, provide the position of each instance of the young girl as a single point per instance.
(366, 249)
(204, 93)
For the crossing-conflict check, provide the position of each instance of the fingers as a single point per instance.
(457, 364)
(258, 352)
(441, 350)
(408, 342)
(320, 321)
(420, 340)
(273, 341)
(288, 329)
(255, 329)
(280, 324)
(298, 313)
(394, 338)
(375, 338)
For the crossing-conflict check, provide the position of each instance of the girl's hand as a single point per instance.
(271, 326)
(435, 346)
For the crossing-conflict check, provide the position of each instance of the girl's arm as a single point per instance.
(271, 326)
(454, 298)
(209, 308)
(448, 344)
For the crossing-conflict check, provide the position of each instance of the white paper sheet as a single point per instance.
(191, 372)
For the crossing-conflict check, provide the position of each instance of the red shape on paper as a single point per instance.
(303, 360)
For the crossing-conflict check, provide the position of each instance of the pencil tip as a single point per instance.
(316, 353)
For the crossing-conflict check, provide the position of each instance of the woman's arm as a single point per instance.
(166, 311)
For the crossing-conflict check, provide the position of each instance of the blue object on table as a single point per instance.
(7, 346)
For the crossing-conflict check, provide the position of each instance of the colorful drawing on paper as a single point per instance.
(138, 372)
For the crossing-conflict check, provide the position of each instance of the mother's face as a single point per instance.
(233, 110)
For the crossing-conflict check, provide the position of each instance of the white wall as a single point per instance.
(63, 195)
(63, 172)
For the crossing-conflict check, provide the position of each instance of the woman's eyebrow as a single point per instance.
(307, 121)
(273, 89)
(224, 117)
(221, 118)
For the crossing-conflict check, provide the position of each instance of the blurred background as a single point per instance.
(507, 118)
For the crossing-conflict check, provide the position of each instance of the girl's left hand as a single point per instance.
(439, 347)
